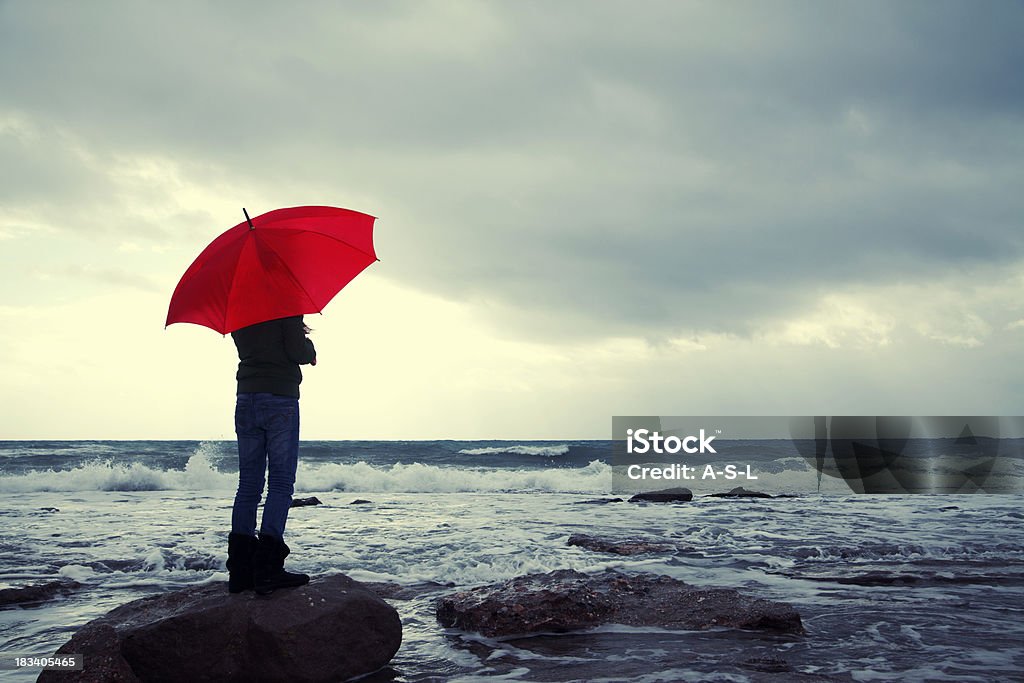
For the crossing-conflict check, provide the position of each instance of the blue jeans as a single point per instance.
(267, 426)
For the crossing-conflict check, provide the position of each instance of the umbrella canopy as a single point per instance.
(286, 262)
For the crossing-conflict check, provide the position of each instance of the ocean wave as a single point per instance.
(548, 451)
(200, 474)
(419, 478)
(106, 475)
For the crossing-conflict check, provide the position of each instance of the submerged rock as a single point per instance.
(567, 600)
(33, 596)
(620, 546)
(922, 578)
(596, 501)
(332, 629)
(740, 492)
(107, 566)
(360, 501)
(767, 664)
(302, 502)
(672, 495)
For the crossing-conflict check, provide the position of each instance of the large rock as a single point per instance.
(568, 600)
(332, 629)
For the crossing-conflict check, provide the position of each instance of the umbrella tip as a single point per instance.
(251, 226)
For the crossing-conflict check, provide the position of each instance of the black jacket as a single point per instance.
(269, 355)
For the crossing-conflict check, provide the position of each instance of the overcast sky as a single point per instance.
(584, 209)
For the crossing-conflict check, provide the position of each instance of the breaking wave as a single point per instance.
(549, 451)
(200, 474)
(419, 478)
(106, 475)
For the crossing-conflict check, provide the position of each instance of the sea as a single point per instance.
(910, 587)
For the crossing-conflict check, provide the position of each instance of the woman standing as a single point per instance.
(267, 425)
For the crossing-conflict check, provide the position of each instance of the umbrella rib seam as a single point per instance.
(288, 270)
(330, 237)
(231, 287)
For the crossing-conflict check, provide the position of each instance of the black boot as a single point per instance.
(268, 567)
(241, 548)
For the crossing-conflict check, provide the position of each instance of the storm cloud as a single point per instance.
(572, 171)
(668, 165)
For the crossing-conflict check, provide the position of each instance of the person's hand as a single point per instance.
(313, 362)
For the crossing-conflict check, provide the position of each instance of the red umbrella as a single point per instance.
(283, 263)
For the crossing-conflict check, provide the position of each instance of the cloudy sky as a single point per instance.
(584, 209)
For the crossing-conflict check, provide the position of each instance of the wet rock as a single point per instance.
(49, 509)
(673, 495)
(740, 492)
(332, 629)
(620, 546)
(33, 596)
(921, 579)
(303, 502)
(567, 600)
(360, 501)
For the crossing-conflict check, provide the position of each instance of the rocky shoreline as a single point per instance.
(336, 628)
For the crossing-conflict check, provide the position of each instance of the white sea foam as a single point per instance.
(420, 478)
(199, 475)
(154, 562)
(106, 475)
(76, 572)
(549, 451)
